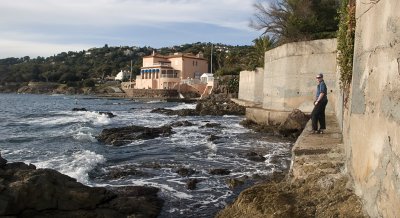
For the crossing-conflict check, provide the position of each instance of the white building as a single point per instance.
(122, 75)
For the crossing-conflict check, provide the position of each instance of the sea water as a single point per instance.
(44, 131)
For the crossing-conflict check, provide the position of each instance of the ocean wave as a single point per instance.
(77, 165)
(183, 106)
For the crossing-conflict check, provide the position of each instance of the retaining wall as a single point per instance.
(251, 86)
(289, 75)
(372, 124)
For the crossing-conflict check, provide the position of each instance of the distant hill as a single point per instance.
(95, 63)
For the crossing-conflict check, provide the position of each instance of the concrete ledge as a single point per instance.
(264, 116)
(246, 103)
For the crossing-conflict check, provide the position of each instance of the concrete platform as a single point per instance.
(316, 153)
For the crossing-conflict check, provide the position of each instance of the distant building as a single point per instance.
(122, 75)
(167, 72)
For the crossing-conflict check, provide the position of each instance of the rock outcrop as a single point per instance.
(290, 128)
(29, 192)
(125, 135)
(294, 124)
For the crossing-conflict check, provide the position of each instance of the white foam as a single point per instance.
(71, 117)
(77, 165)
(155, 101)
(183, 106)
(84, 136)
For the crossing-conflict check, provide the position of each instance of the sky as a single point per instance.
(47, 27)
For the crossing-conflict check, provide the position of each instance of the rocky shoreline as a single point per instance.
(317, 186)
(29, 192)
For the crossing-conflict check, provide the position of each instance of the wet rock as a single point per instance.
(219, 171)
(211, 125)
(217, 107)
(169, 112)
(125, 135)
(263, 128)
(185, 171)
(108, 114)
(181, 123)
(191, 184)
(31, 192)
(3, 162)
(152, 165)
(253, 156)
(79, 109)
(213, 138)
(233, 182)
(116, 173)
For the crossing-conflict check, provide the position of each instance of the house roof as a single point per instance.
(187, 55)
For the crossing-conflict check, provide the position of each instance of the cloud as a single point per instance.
(17, 48)
(226, 13)
(72, 23)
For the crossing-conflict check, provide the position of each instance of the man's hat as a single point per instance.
(320, 75)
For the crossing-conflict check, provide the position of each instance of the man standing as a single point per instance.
(321, 100)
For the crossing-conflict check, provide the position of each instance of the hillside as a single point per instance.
(74, 68)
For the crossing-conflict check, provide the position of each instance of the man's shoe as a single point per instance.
(321, 131)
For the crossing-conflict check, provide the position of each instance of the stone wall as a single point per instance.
(251, 86)
(289, 74)
(372, 124)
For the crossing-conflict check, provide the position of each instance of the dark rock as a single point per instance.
(211, 106)
(125, 135)
(233, 182)
(219, 171)
(30, 192)
(185, 171)
(79, 109)
(253, 156)
(263, 128)
(116, 173)
(294, 124)
(3, 162)
(108, 114)
(213, 138)
(191, 184)
(181, 123)
(169, 112)
(211, 125)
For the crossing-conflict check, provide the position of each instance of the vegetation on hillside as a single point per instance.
(83, 67)
(296, 20)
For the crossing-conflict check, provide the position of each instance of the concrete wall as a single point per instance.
(372, 128)
(251, 85)
(289, 75)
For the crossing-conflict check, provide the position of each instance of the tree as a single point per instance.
(296, 20)
(261, 45)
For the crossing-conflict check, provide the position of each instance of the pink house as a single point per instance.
(167, 72)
